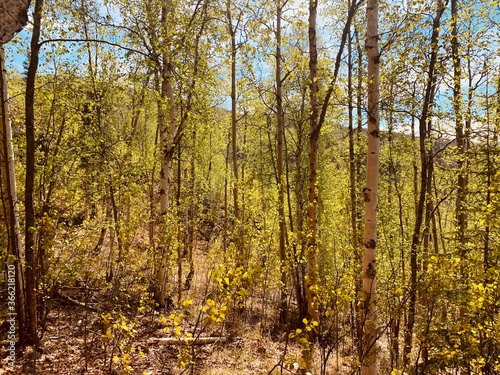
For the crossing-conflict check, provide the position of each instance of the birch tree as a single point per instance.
(370, 192)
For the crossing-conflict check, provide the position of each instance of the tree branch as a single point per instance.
(92, 41)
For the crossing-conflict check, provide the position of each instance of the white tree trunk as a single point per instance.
(370, 192)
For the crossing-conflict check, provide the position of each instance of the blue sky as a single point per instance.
(15, 51)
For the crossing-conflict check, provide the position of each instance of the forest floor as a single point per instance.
(73, 344)
(78, 340)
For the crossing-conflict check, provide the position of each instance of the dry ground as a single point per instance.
(73, 345)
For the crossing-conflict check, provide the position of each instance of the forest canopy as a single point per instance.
(254, 187)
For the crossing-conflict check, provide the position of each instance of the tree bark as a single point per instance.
(280, 118)
(459, 129)
(317, 112)
(314, 130)
(169, 136)
(29, 235)
(234, 125)
(370, 192)
(300, 206)
(171, 131)
(9, 200)
(425, 177)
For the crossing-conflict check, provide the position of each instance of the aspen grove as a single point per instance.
(250, 187)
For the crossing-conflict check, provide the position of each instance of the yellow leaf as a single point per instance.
(303, 342)
(302, 363)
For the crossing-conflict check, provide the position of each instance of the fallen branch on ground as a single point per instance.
(67, 298)
(189, 340)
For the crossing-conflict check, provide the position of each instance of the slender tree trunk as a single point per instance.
(280, 117)
(226, 198)
(300, 179)
(459, 129)
(29, 235)
(171, 132)
(234, 130)
(426, 234)
(167, 133)
(317, 117)
(241, 230)
(425, 176)
(297, 273)
(358, 267)
(181, 234)
(168, 128)
(117, 229)
(414, 162)
(152, 204)
(112, 256)
(370, 192)
(191, 215)
(353, 183)
(487, 229)
(491, 151)
(109, 219)
(10, 207)
(165, 175)
(492, 147)
(314, 129)
(352, 154)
